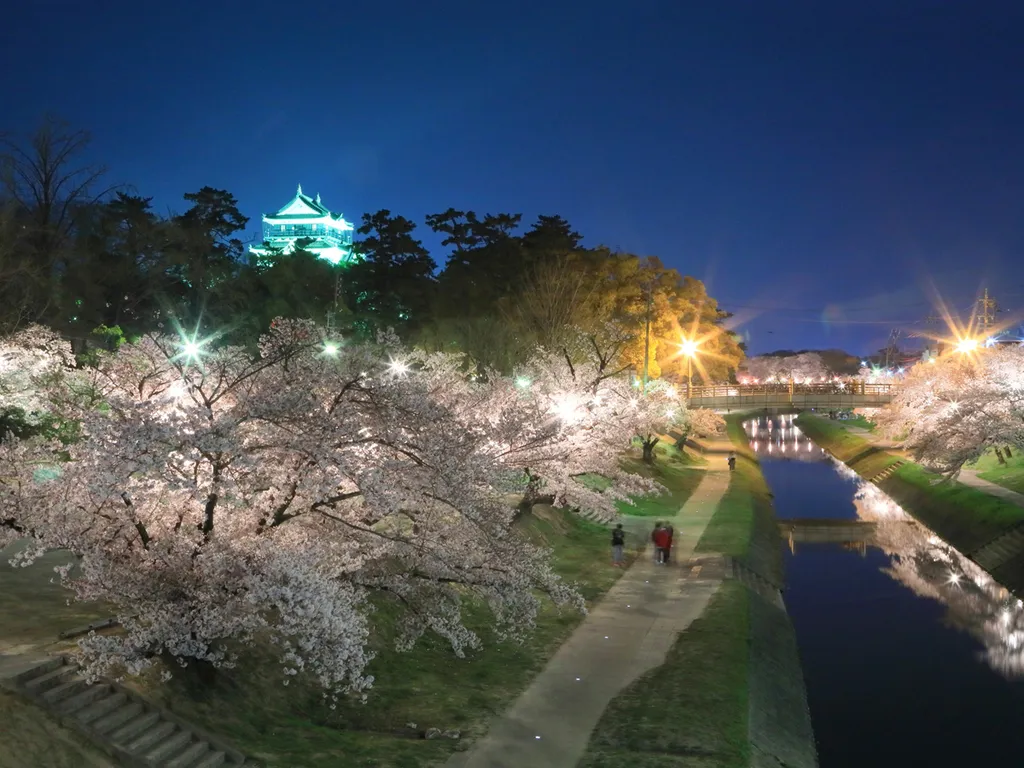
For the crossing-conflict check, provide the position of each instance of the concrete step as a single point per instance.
(192, 755)
(1000, 549)
(37, 671)
(101, 707)
(55, 695)
(174, 744)
(133, 727)
(149, 737)
(110, 714)
(88, 696)
(212, 760)
(51, 679)
(118, 717)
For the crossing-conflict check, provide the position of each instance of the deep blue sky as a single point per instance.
(817, 162)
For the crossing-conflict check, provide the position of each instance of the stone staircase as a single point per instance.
(124, 725)
(887, 471)
(1000, 550)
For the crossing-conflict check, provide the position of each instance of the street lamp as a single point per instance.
(967, 345)
(689, 348)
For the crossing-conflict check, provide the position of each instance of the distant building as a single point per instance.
(305, 218)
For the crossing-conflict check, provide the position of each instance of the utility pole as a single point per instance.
(647, 333)
(891, 349)
(985, 314)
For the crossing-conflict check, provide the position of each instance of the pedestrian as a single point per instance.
(668, 542)
(661, 544)
(654, 539)
(618, 544)
(732, 461)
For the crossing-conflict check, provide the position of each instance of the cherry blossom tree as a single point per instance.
(216, 498)
(805, 367)
(951, 411)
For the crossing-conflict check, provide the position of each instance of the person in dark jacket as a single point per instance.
(618, 545)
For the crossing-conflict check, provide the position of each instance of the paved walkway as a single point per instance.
(970, 478)
(626, 634)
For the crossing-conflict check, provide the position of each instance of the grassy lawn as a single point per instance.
(675, 470)
(692, 711)
(744, 525)
(859, 421)
(965, 517)
(1010, 475)
(428, 686)
(34, 607)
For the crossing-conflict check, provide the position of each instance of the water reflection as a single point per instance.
(924, 563)
(779, 437)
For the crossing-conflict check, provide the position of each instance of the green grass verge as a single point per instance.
(1009, 475)
(674, 469)
(692, 711)
(860, 421)
(965, 517)
(744, 525)
(285, 727)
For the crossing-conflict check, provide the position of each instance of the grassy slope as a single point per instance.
(34, 607)
(860, 421)
(686, 713)
(674, 469)
(744, 525)
(31, 739)
(963, 516)
(1010, 475)
(428, 686)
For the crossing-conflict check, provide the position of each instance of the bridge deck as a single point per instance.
(854, 395)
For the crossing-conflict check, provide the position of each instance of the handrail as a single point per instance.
(825, 388)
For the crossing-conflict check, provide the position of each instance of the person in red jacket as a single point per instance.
(662, 541)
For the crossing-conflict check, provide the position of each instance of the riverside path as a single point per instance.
(628, 633)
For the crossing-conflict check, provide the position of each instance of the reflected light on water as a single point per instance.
(925, 564)
(782, 437)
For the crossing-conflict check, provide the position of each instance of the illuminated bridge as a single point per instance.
(856, 394)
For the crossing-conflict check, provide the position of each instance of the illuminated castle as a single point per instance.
(305, 218)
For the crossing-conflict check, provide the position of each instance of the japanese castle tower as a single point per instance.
(305, 217)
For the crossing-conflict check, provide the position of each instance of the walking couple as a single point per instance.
(662, 538)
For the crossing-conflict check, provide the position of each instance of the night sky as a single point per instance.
(820, 164)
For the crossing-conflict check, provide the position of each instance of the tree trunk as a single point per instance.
(648, 444)
(999, 455)
(1007, 451)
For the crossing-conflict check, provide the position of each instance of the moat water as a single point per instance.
(912, 655)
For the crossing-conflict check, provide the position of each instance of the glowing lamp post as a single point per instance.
(689, 348)
(967, 345)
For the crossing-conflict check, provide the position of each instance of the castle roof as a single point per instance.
(303, 207)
